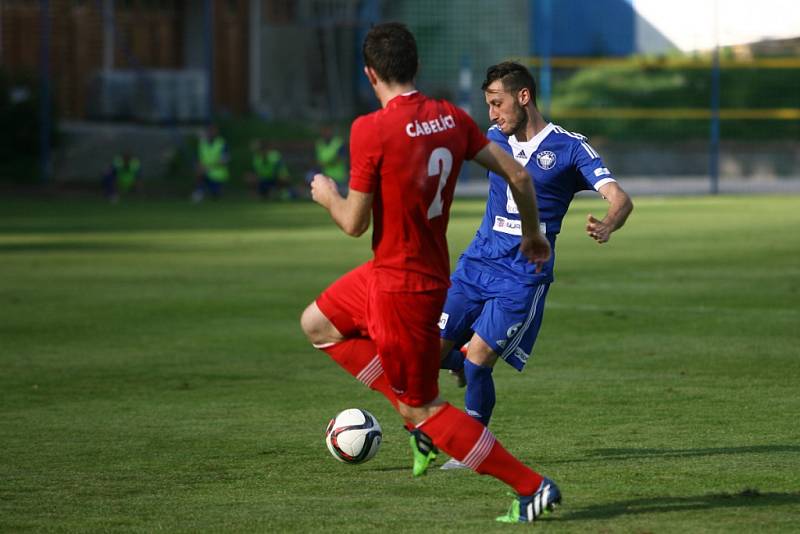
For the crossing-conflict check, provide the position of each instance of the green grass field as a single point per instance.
(153, 375)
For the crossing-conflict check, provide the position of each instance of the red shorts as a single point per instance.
(403, 326)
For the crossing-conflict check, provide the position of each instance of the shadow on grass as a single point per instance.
(70, 246)
(144, 216)
(634, 454)
(748, 497)
(630, 454)
(638, 454)
(97, 216)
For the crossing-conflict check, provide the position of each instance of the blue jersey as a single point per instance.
(561, 164)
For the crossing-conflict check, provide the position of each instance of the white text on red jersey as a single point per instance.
(416, 128)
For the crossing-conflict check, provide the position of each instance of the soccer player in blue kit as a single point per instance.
(496, 299)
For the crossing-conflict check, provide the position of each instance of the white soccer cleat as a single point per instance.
(452, 463)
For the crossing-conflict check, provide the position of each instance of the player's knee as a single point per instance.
(317, 328)
(484, 359)
(480, 353)
(311, 321)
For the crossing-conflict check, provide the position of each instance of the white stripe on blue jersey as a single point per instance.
(511, 348)
(589, 150)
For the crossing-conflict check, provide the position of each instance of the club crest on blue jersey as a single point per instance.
(546, 160)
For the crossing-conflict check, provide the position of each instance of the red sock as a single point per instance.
(359, 357)
(468, 441)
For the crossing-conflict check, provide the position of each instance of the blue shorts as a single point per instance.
(504, 313)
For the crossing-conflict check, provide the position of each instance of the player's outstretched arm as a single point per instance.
(533, 244)
(351, 214)
(619, 207)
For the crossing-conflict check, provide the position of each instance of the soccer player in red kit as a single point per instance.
(379, 321)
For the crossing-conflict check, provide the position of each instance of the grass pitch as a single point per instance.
(153, 375)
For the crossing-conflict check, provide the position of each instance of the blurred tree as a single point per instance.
(663, 88)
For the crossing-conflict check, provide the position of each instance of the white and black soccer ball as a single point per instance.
(353, 436)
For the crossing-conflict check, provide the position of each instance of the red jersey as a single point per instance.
(409, 154)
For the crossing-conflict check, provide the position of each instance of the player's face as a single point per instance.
(504, 109)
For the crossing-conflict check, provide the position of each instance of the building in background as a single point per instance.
(151, 60)
(600, 28)
(144, 60)
(138, 63)
(182, 60)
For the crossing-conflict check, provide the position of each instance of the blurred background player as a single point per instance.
(497, 297)
(212, 164)
(122, 176)
(379, 320)
(270, 175)
(331, 154)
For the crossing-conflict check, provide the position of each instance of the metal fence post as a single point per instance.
(108, 35)
(545, 42)
(254, 88)
(44, 97)
(713, 166)
(464, 99)
(209, 31)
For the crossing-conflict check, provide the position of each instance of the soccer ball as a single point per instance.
(353, 436)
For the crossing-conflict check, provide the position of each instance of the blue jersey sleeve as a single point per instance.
(590, 166)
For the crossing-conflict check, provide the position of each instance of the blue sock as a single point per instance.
(453, 361)
(479, 398)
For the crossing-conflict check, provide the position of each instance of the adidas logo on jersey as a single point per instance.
(521, 154)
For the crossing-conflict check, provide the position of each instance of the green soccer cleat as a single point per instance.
(529, 508)
(423, 450)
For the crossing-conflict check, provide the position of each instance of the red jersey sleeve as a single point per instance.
(365, 154)
(476, 139)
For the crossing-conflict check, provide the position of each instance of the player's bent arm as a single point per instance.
(497, 160)
(352, 214)
(620, 205)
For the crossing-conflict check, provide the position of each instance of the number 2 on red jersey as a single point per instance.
(439, 163)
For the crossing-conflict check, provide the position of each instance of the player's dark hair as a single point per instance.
(514, 77)
(391, 50)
